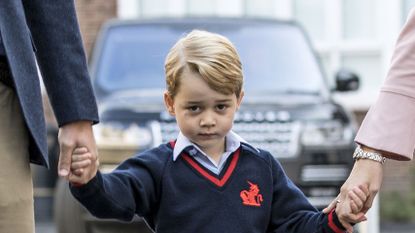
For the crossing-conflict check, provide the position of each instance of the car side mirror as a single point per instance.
(346, 81)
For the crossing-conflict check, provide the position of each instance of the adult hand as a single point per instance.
(72, 135)
(365, 173)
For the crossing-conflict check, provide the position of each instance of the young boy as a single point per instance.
(209, 179)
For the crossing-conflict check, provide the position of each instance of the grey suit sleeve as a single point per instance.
(61, 58)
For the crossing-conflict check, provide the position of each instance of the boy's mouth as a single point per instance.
(207, 135)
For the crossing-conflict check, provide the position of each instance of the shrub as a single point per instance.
(395, 207)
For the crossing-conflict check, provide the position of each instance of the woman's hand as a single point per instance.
(365, 173)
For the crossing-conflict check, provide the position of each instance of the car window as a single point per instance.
(274, 58)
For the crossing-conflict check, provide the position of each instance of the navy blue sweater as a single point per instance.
(251, 195)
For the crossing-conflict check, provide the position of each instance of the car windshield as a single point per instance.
(276, 58)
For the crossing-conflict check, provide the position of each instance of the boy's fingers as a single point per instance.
(78, 172)
(80, 150)
(356, 200)
(80, 164)
(360, 193)
(354, 207)
(80, 157)
(364, 189)
(78, 177)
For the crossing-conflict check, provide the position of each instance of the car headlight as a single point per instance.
(330, 133)
(122, 136)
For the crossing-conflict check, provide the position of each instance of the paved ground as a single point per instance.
(45, 227)
(49, 227)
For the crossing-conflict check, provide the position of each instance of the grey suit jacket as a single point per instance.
(48, 31)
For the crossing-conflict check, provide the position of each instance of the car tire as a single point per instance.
(69, 214)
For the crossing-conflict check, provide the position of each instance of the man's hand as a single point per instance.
(365, 173)
(72, 135)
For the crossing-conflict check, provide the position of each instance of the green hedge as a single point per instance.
(398, 207)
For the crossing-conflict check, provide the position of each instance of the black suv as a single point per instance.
(287, 108)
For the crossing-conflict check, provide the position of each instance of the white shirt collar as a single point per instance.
(233, 142)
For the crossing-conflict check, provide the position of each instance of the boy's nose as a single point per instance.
(207, 120)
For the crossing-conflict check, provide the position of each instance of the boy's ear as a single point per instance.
(168, 101)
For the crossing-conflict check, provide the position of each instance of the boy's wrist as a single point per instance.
(83, 184)
(88, 189)
(75, 184)
(334, 223)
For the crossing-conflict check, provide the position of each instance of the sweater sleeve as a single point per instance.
(130, 189)
(291, 211)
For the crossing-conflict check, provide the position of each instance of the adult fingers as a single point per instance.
(352, 218)
(332, 205)
(348, 226)
(65, 154)
(368, 203)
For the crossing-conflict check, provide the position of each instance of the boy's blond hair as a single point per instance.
(211, 55)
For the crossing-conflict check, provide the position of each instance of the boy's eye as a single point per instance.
(193, 108)
(221, 107)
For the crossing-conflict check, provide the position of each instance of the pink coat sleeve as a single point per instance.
(390, 123)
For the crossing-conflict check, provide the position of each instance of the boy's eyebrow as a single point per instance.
(217, 101)
(224, 100)
(193, 102)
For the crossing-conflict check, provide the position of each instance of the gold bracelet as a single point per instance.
(359, 153)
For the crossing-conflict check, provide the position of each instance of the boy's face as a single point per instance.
(203, 115)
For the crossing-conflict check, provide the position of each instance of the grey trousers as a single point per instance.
(16, 189)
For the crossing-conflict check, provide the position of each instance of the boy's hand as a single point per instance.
(84, 166)
(358, 197)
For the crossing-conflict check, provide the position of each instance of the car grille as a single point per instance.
(326, 172)
(276, 135)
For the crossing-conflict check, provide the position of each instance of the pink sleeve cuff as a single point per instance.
(390, 126)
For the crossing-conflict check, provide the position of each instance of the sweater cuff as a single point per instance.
(88, 189)
(334, 223)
